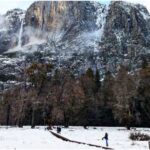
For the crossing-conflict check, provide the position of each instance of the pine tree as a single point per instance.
(97, 81)
(124, 91)
(144, 63)
(90, 73)
(143, 95)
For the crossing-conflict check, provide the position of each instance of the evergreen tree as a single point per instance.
(144, 63)
(97, 81)
(89, 73)
(143, 96)
(124, 90)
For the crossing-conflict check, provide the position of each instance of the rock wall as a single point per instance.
(77, 35)
(9, 28)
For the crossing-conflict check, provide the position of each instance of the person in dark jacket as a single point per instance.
(58, 129)
(106, 138)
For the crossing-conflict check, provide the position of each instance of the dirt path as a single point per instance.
(68, 140)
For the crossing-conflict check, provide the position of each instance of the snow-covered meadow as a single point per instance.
(13, 138)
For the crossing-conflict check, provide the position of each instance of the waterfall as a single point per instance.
(20, 34)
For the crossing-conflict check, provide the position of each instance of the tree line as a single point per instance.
(50, 96)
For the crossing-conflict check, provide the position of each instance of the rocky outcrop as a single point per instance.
(61, 15)
(69, 27)
(120, 38)
(126, 34)
(81, 34)
(63, 19)
(9, 28)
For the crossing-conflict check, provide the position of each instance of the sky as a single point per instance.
(24, 4)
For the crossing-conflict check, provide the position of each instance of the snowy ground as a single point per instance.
(39, 139)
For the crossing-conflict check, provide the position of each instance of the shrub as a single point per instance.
(137, 136)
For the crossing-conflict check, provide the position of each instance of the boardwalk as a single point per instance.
(68, 140)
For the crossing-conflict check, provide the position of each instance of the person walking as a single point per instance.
(106, 138)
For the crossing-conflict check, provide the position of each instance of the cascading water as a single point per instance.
(102, 12)
(19, 45)
(20, 34)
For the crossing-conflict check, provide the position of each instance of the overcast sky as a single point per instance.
(24, 4)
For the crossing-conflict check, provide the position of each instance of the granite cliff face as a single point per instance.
(9, 28)
(63, 22)
(126, 34)
(77, 35)
(54, 15)
(118, 33)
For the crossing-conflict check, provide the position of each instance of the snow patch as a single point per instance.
(40, 139)
(145, 15)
